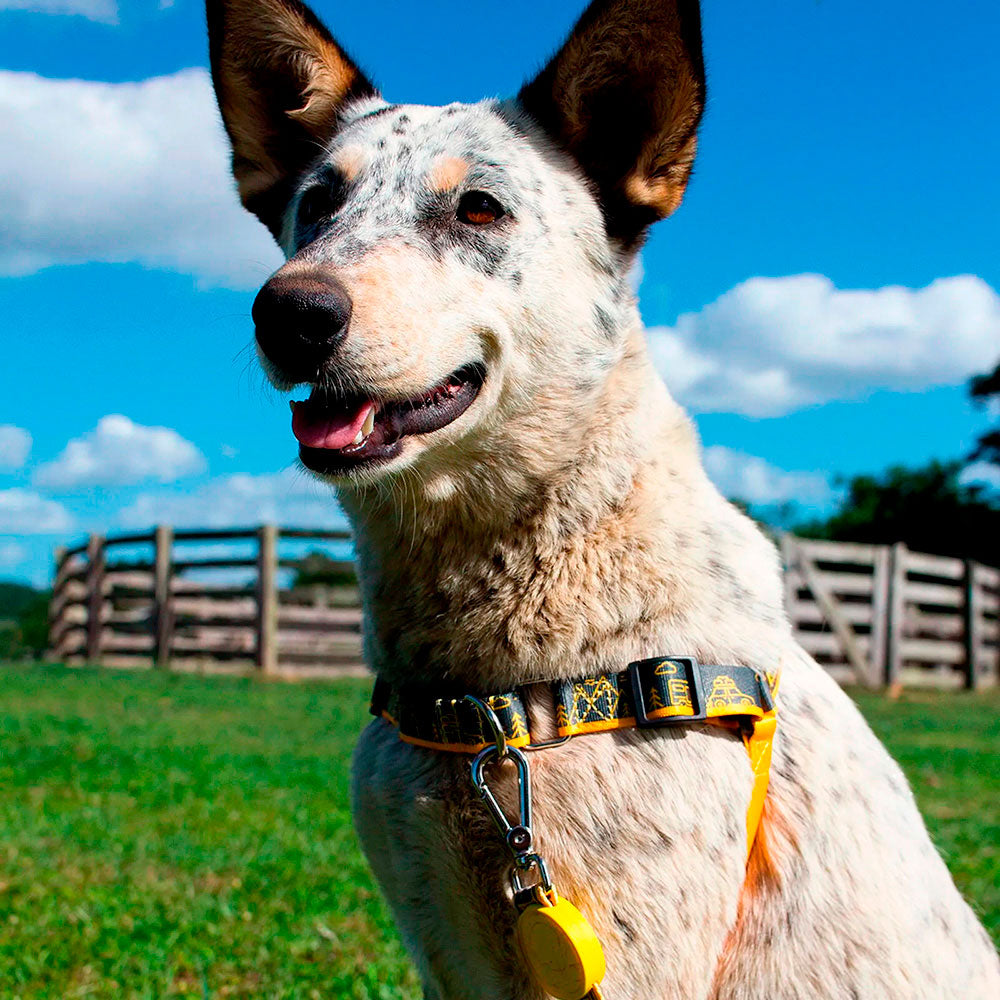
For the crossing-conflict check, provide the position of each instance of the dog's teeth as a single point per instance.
(360, 437)
(366, 427)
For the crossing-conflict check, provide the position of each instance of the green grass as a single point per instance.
(168, 835)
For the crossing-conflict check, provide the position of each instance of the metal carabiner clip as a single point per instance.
(517, 835)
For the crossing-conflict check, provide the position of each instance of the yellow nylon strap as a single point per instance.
(759, 744)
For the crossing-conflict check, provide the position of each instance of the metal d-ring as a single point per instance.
(494, 723)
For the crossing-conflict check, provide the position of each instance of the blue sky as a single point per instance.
(819, 301)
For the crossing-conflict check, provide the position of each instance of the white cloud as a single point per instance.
(15, 445)
(105, 11)
(288, 498)
(118, 452)
(772, 345)
(123, 172)
(12, 554)
(981, 474)
(755, 481)
(23, 512)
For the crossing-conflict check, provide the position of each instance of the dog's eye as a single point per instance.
(477, 208)
(320, 202)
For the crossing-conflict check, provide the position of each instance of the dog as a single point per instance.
(529, 506)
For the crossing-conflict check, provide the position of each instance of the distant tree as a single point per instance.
(318, 569)
(24, 625)
(15, 598)
(983, 389)
(928, 508)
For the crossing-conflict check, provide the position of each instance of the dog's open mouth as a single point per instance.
(338, 434)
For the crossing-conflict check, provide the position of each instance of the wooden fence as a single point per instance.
(875, 615)
(203, 599)
(883, 615)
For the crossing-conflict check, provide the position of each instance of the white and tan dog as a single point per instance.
(529, 504)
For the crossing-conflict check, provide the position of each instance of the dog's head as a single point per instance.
(457, 278)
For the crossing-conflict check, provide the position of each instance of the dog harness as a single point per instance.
(558, 944)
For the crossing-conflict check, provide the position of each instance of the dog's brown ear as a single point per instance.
(281, 81)
(624, 96)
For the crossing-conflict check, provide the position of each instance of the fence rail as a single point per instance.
(881, 615)
(201, 599)
(872, 614)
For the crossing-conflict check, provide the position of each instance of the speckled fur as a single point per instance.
(564, 526)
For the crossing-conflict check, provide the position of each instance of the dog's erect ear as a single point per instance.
(281, 81)
(624, 96)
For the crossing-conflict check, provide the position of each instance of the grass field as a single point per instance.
(169, 835)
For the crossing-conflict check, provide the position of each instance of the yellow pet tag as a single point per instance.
(561, 949)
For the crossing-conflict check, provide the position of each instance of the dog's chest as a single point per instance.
(618, 817)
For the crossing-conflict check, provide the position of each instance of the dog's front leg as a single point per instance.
(440, 866)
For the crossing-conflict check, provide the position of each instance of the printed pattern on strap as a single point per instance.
(451, 723)
(592, 704)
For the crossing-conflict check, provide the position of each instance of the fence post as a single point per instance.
(267, 599)
(972, 613)
(95, 597)
(163, 619)
(788, 564)
(56, 603)
(896, 623)
(877, 640)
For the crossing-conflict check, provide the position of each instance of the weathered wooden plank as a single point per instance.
(267, 599)
(117, 642)
(327, 534)
(69, 597)
(819, 584)
(809, 613)
(289, 647)
(142, 538)
(933, 651)
(939, 594)
(215, 642)
(972, 619)
(854, 584)
(219, 621)
(73, 641)
(206, 607)
(820, 550)
(927, 565)
(195, 589)
(988, 576)
(895, 626)
(935, 626)
(214, 534)
(829, 644)
(319, 617)
(95, 596)
(879, 613)
(163, 614)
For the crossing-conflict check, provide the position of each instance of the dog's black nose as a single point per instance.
(300, 319)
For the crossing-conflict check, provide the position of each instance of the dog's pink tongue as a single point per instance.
(316, 428)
